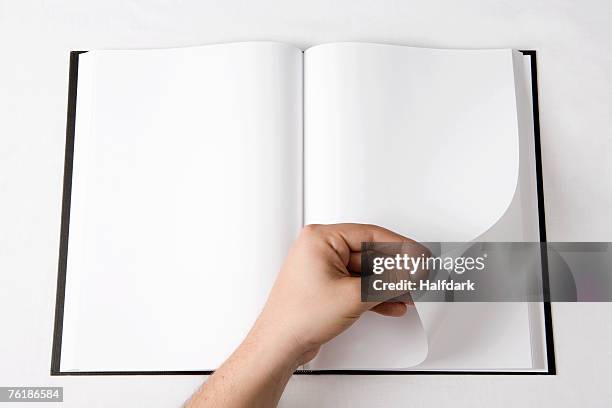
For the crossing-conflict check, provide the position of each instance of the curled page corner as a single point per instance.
(434, 312)
(517, 220)
(377, 343)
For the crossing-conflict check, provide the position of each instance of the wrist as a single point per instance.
(274, 346)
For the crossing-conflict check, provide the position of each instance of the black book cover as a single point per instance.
(65, 227)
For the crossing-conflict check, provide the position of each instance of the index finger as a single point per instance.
(355, 234)
(346, 239)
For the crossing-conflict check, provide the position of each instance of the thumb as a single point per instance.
(391, 308)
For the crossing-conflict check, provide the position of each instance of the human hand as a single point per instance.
(316, 295)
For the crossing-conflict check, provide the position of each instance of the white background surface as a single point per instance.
(575, 74)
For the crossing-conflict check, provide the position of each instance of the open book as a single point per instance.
(190, 171)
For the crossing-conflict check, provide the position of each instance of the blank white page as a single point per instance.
(424, 142)
(186, 196)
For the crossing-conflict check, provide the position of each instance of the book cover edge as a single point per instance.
(65, 227)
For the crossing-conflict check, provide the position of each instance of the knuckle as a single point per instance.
(311, 229)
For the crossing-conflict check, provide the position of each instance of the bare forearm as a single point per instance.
(254, 376)
(315, 298)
